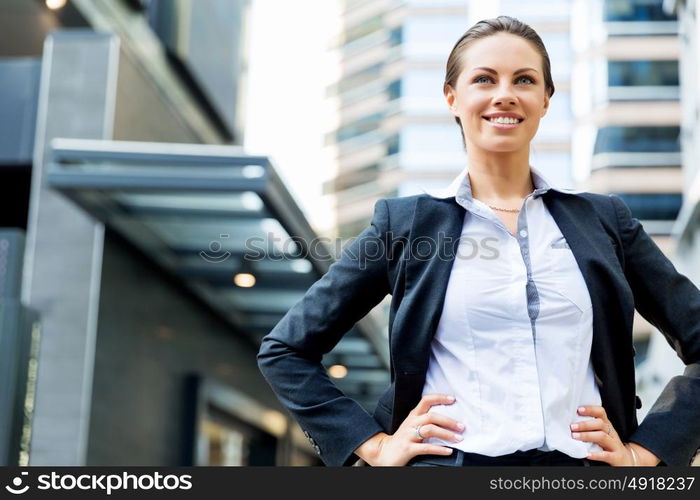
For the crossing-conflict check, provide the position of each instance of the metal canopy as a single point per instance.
(196, 211)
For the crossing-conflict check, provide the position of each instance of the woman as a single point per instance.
(511, 338)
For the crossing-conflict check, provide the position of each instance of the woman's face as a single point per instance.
(494, 82)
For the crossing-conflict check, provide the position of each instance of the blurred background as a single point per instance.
(143, 142)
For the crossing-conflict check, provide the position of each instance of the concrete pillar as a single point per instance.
(63, 255)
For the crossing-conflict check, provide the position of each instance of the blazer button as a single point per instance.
(638, 402)
(318, 450)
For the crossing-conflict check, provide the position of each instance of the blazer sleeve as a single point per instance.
(290, 355)
(670, 302)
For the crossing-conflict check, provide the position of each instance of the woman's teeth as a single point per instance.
(503, 119)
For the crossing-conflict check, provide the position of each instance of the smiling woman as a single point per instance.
(521, 355)
(488, 83)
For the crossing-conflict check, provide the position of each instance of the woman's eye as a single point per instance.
(480, 78)
(526, 78)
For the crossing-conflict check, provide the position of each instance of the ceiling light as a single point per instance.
(55, 4)
(337, 371)
(244, 280)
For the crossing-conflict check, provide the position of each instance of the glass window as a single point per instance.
(359, 127)
(423, 83)
(367, 75)
(554, 165)
(370, 25)
(653, 206)
(558, 45)
(636, 10)
(395, 36)
(394, 90)
(432, 36)
(534, 11)
(422, 146)
(348, 180)
(556, 124)
(638, 139)
(643, 73)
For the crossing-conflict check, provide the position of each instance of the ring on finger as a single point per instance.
(609, 429)
(418, 434)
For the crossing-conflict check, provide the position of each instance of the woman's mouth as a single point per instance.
(502, 123)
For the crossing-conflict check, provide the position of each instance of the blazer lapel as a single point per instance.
(611, 296)
(433, 240)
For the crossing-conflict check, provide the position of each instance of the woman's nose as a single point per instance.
(505, 99)
(505, 95)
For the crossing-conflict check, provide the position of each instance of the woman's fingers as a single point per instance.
(593, 411)
(442, 421)
(602, 456)
(435, 431)
(431, 400)
(429, 449)
(600, 437)
(599, 430)
(594, 424)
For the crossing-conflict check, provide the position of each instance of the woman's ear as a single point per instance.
(450, 98)
(546, 104)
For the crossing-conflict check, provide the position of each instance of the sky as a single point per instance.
(287, 113)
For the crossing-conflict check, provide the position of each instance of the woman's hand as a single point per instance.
(407, 441)
(599, 430)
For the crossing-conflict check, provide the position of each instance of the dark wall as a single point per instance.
(15, 183)
(24, 25)
(151, 335)
(142, 113)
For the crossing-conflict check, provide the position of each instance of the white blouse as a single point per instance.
(514, 340)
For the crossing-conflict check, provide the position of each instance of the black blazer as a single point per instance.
(621, 265)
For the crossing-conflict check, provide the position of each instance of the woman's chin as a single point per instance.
(509, 147)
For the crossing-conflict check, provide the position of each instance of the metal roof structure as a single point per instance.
(208, 215)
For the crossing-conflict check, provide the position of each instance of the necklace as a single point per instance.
(505, 209)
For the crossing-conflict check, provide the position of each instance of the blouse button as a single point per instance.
(523, 233)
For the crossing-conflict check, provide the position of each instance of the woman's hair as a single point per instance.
(488, 27)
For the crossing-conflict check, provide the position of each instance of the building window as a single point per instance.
(392, 145)
(350, 82)
(638, 140)
(365, 125)
(653, 206)
(394, 90)
(643, 73)
(396, 36)
(636, 10)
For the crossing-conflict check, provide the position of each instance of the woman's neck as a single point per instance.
(500, 178)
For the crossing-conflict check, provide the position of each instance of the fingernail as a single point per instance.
(581, 409)
(574, 427)
(458, 437)
(460, 426)
(451, 398)
(576, 435)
